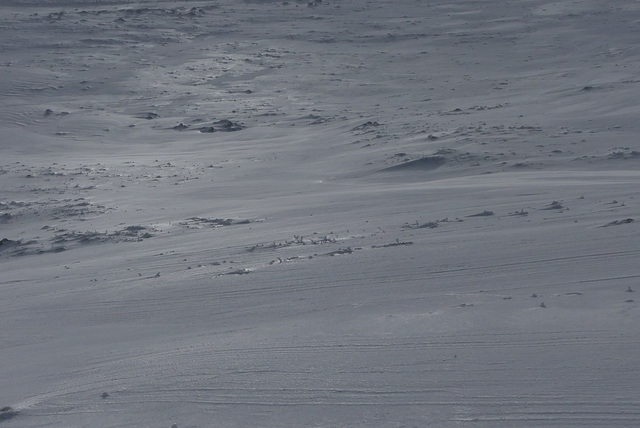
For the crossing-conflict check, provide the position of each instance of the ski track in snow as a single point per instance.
(326, 213)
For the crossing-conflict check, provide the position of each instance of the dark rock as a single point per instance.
(7, 413)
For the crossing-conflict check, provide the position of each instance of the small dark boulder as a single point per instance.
(180, 127)
(227, 125)
(7, 413)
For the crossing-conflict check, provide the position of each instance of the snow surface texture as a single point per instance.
(339, 213)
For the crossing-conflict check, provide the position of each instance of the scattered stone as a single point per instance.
(484, 213)
(427, 225)
(7, 413)
(5, 241)
(104, 395)
(223, 125)
(239, 272)
(522, 213)
(542, 305)
(342, 251)
(624, 153)
(7, 244)
(555, 205)
(619, 222)
(393, 244)
(365, 125)
(195, 222)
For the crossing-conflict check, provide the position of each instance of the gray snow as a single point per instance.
(332, 213)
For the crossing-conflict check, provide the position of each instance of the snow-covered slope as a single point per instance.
(337, 213)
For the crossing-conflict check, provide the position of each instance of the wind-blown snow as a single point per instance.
(338, 213)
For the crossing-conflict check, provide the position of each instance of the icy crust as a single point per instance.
(319, 213)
